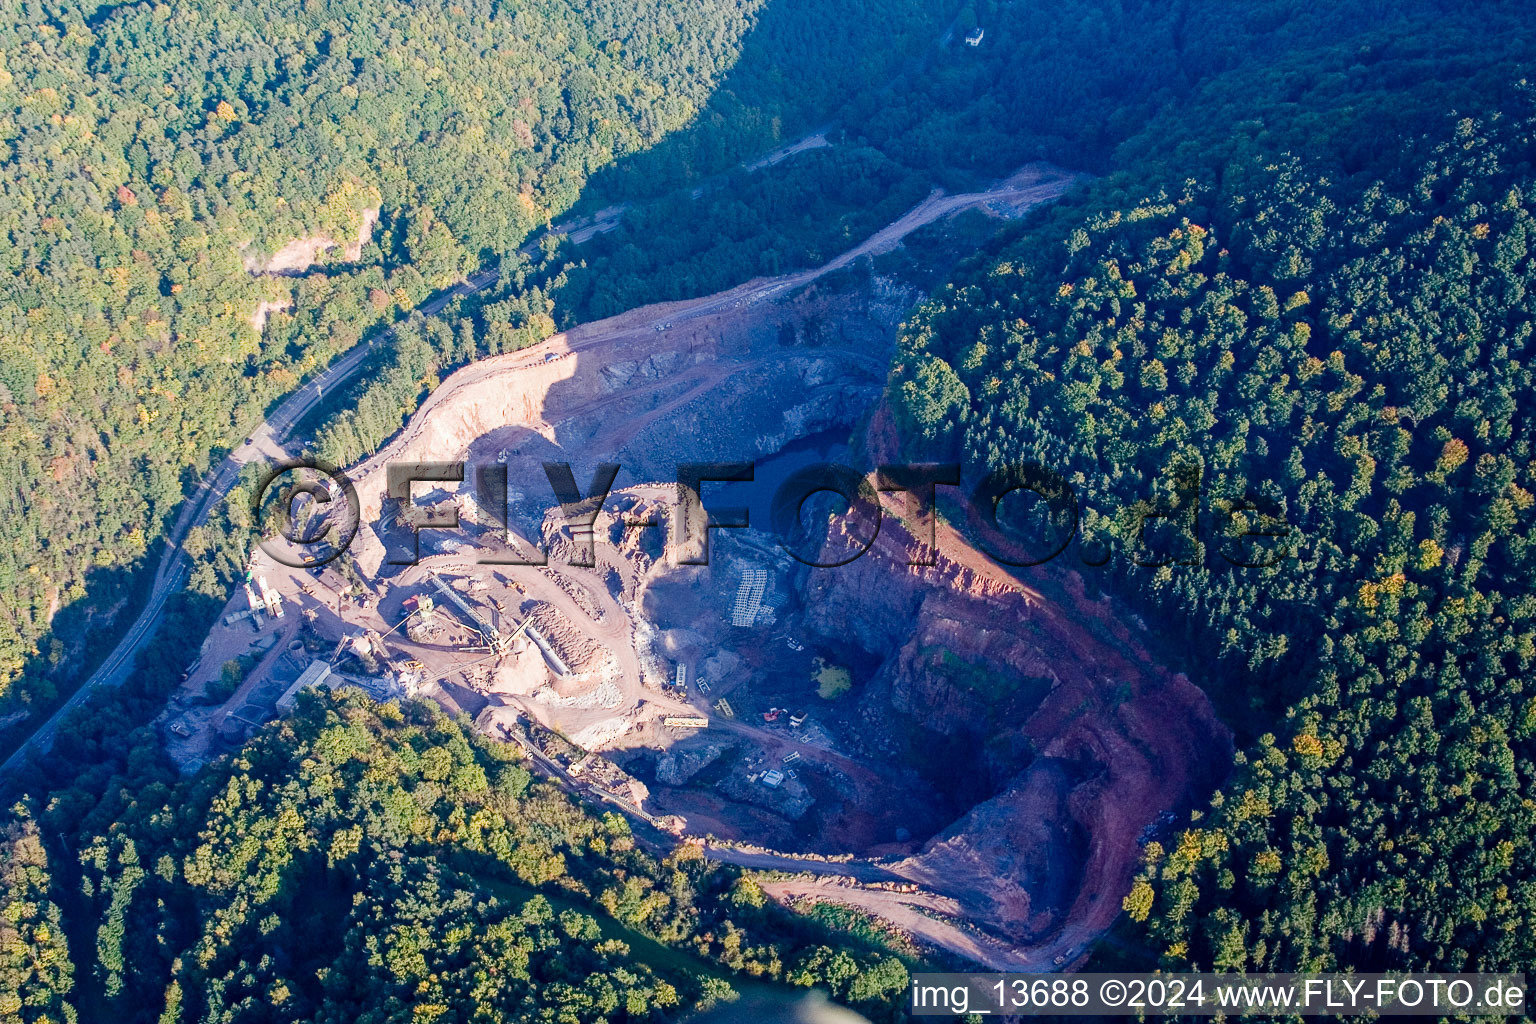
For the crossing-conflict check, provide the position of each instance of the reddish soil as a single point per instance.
(1148, 736)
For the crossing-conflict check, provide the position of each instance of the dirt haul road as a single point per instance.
(546, 362)
(929, 917)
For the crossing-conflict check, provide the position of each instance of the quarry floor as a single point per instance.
(747, 374)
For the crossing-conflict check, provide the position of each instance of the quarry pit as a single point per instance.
(971, 754)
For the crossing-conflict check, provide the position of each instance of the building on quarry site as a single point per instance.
(681, 680)
(315, 675)
(686, 721)
(419, 618)
(749, 597)
(493, 637)
(271, 598)
(380, 688)
(773, 778)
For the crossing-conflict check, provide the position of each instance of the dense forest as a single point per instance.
(153, 157)
(371, 863)
(160, 154)
(1282, 341)
(1075, 82)
(1303, 278)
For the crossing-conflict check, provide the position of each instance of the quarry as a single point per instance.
(973, 754)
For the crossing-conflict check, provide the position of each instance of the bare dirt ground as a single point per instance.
(928, 917)
(300, 254)
(736, 376)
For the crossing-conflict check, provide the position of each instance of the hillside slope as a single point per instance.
(1348, 356)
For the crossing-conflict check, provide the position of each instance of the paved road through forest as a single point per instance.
(266, 442)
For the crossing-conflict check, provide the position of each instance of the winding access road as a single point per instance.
(266, 442)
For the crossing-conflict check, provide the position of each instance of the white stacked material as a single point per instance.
(749, 596)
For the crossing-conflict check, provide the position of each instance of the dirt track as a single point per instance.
(926, 916)
(529, 371)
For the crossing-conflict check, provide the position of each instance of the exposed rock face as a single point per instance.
(1018, 855)
(623, 374)
(1017, 725)
(788, 800)
(1064, 831)
(783, 396)
(300, 254)
(1008, 699)
(719, 665)
(878, 597)
(679, 764)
